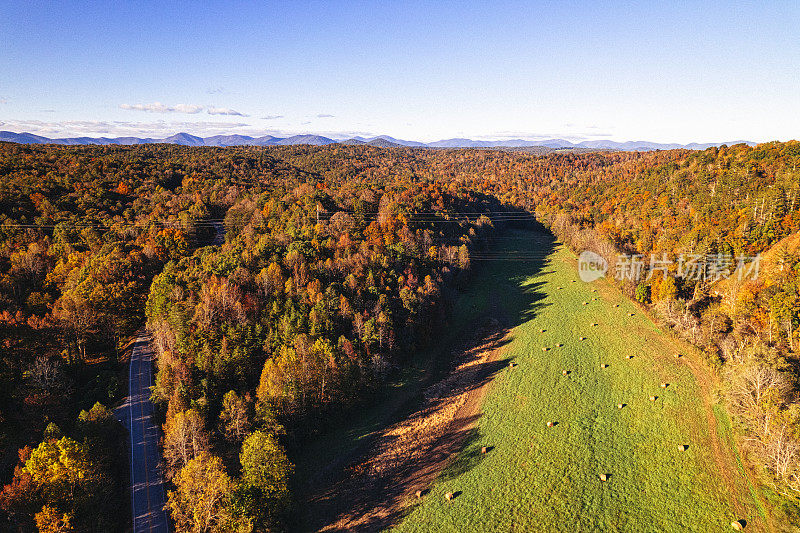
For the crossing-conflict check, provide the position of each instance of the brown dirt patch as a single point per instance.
(375, 490)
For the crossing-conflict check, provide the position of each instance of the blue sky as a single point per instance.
(658, 71)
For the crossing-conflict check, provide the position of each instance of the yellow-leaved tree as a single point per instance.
(201, 501)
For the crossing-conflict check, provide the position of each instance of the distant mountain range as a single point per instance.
(384, 141)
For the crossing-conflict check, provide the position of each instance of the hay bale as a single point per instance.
(664, 385)
(603, 365)
(683, 447)
(559, 345)
(678, 355)
(512, 364)
(581, 338)
(549, 424)
(620, 405)
(418, 494)
(653, 398)
(545, 348)
(628, 357)
(585, 303)
(738, 525)
(603, 477)
(616, 305)
(541, 331)
(594, 290)
(448, 496)
(631, 314)
(565, 372)
(484, 450)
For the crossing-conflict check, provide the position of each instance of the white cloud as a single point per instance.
(325, 115)
(158, 129)
(224, 111)
(188, 108)
(158, 107)
(272, 117)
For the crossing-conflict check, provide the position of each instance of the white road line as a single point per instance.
(130, 412)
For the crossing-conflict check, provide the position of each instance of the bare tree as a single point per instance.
(45, 373)
(781, 453)
(755, 390)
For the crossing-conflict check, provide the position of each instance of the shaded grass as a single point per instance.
(547, 479)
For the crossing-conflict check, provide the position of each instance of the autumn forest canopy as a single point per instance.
(285, 286)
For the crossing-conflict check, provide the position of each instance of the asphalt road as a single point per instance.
(219, 236)
(147, 487)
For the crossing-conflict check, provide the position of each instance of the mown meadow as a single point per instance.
(665, 467)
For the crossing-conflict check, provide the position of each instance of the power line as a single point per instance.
(213, 223)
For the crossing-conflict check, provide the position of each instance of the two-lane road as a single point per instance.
(147, 486)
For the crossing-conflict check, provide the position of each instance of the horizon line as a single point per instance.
(338, 138)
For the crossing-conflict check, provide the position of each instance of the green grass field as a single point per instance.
(538, 478)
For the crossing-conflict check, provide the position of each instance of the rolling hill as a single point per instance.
(383, 141)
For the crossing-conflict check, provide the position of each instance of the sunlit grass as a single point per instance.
(539, 478)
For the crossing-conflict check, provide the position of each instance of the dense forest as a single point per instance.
(337, 265)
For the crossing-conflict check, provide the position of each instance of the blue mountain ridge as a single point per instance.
(185, 139)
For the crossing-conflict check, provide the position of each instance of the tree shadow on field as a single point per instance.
(433, 435)
(468, 458)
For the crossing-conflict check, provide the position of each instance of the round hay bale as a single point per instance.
(484, 450)
(603, 477)
(620, 405)
(678, 355)
(631, 314)
(581, 338)
(545, 348)
(664, 385)
(418, 494)
(448, 496)
(565, 372)
(738, 525)
(585, 303)
(683, 447)
(594, 290)
(653, 398)
(549, 424)
(512, 364)
(628, 357)
(616, 305)
(559, 345)
(603, 365)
